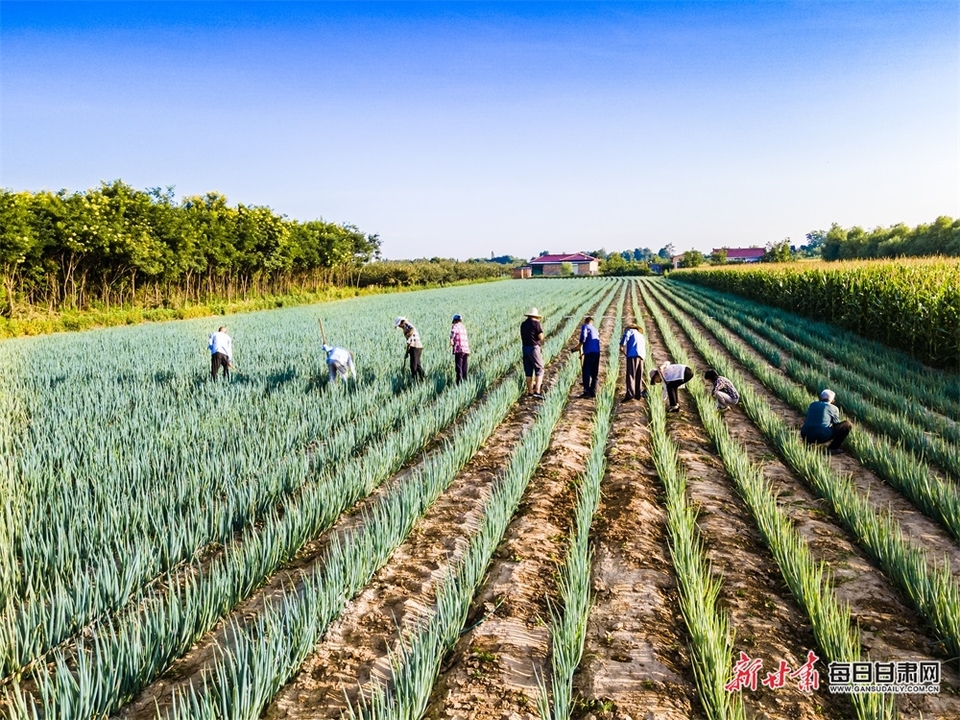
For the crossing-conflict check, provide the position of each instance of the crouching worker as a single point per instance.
(339, 362)
(723, 390)
(823, 423)
(673, 376)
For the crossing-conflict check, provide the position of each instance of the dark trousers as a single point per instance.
(460, 365)
(217, 361)
(675, 385)
(591, 368)
(634, 377)
(415, 370)
(838, 433)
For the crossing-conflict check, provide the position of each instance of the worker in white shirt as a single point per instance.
(221, 353)
(673, 376)
(339, 362)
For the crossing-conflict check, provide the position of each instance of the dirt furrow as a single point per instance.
(767, 621)
(916, 526)
(492, 672)
(890, 630)
(635, 660)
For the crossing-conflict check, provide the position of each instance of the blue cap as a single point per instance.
(456, 317)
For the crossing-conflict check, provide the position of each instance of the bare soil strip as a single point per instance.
(491, 673)
(768, 623)
(355, 649)
(635, 661)
(916, 526)
(890, 630)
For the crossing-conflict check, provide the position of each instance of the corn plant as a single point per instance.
(928, 586)
(809, 581)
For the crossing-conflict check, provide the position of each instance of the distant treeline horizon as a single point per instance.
(115, 245)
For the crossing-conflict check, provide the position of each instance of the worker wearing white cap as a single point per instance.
(414, 347)
(339, 363)
(822, 423)
(531, 335)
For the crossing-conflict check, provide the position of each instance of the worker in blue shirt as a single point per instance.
(589, 348)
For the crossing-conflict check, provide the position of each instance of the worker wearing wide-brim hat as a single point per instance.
(414, 346)
(460, 346)
(531, 335)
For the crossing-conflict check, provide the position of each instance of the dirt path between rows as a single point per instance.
(492, 671)
(917, 527)
(355, 649)
(635, 661)
(890, 629)
(765, 618)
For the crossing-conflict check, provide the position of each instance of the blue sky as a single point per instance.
(461, 129)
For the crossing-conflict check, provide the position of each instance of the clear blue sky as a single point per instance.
(463, 129)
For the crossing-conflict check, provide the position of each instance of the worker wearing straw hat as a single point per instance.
(531, 335)
(414, 347)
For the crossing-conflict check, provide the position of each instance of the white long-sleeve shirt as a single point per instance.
(220, 342)
(340, 362)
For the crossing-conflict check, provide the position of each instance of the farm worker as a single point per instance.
(634, 346)
(221, 352)
(531, 335)
(461, 348)
(673, 376)
(723, 390)
(414, 347)
(823, 423)
(590, 356)
(339, 363)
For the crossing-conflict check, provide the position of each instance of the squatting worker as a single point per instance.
(339, 363)
(673, 376)
(634, 346)
(723, 390)
(461, 348)
(590, 356)
(221, 352)
(531, 335)
(823, 423)
(414, 347)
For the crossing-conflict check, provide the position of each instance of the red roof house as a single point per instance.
(553, 264)
(742, 255)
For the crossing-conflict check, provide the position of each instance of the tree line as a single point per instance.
(116, 245)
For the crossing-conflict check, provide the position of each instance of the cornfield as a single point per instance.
(280, 544)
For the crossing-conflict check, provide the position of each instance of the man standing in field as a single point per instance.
(461, 348)
(589, 348)
(634, 346)
(414, 347)
(339, 363)
(221, 353)
(823, 423)
(673, 376)
(531, 335)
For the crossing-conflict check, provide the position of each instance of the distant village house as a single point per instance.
(552, 265)
(742, 255)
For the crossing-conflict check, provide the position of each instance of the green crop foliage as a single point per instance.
(909, 305)
(928, 586)
(809, 581)
(259, 465)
